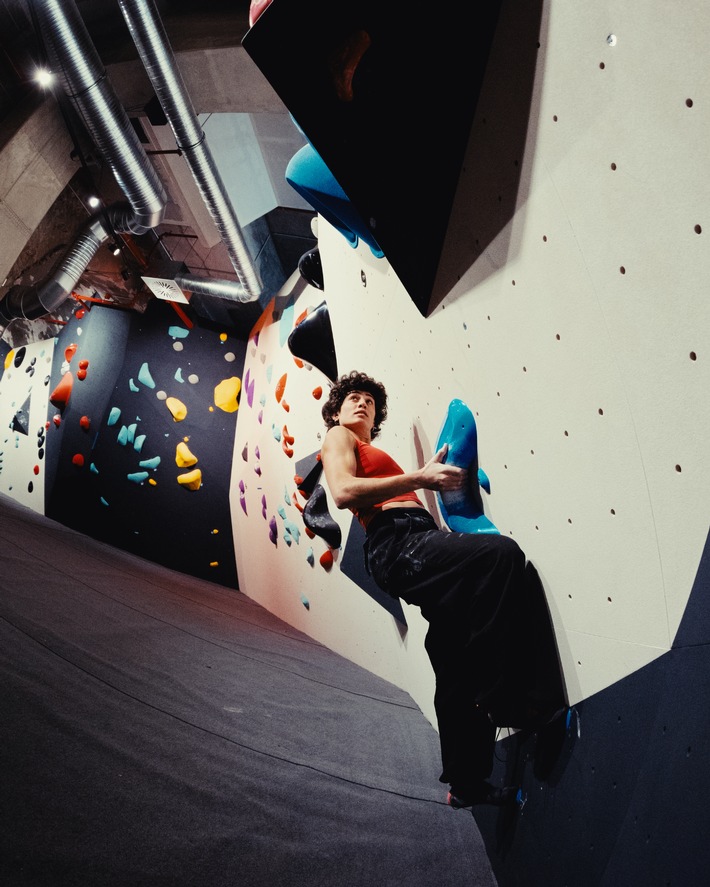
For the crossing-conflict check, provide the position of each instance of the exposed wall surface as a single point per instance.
(35, 166)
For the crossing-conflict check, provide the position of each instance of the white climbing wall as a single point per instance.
(579, 338)
(24, 399)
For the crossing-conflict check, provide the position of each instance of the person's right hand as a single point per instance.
(437, 475)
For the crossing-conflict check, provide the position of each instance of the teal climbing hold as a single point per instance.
(462, 510)
(178, 375)
(138, 442)
(138, 477)
(150, 463)
(123, 436)
(113, 416)
(132, 385)
(178, 332)
(144, 376)
(292, 530)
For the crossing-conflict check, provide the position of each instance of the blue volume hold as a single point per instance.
(462, 510)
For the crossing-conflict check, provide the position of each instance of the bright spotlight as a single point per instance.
(44, 77)
(93, 202)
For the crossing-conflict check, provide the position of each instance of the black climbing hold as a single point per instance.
(317, 518)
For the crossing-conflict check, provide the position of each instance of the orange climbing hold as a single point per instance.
(318, 392)
(85, 423)
(280, 386)
(326, 559)
(61, 394)
(70, 351)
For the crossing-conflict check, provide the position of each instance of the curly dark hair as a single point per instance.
(355, 381)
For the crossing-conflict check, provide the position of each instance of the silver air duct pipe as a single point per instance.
(37, 300)
(76, 63)
(229, 290)
(156, 54)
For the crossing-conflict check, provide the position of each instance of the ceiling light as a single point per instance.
(93, 202)
(44, 77)
(115, 249)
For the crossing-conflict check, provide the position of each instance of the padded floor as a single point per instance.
(159, 729)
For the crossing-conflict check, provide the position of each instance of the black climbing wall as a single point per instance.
(156, 517)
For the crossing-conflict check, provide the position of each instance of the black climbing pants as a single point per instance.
(471, 589)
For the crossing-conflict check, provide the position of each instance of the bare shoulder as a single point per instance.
(338, 440)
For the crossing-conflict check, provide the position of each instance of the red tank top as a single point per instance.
(373, 462)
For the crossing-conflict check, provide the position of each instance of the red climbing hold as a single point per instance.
(61, 394)
(81, 375)
(70, 351)
(326, 559)
(36, 469)
(286, 442)
(57, 420)
(85, 422)
(78, 460)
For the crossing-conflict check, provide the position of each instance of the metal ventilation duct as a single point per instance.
(76, 63)
(156, 54)
(39, 299)
(229, 290)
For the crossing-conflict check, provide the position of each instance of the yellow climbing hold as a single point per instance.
(226, 394)
(152, 482)
(183, 457)
(9, 357)
(192, 479)
(177, 408)
(222, 337)
(214, 563)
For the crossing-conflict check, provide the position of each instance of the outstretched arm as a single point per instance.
(350, 491)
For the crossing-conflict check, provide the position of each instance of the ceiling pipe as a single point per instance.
(76, 63)
(36, 300)
(228, 290)
(155, 51)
